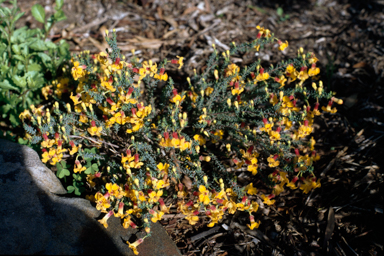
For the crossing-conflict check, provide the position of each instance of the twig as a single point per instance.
(205, 233)
(93, 140)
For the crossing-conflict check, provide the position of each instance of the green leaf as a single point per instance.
(21, 141)
(17, 17)
(16, 48)
(63, 48)
(44, 57)
(62, 173)
(3, 48)
(15, 121)
(38, 45)
(91, 169)
(19, 80)
(34, 67)
(18, 57)
(25, 50)
(280, 11)
(70, 189)
(5, 108)
(50, 45)
(7, 86)
(59, 16)
(38, 12)
(59, 4)
(95, 167)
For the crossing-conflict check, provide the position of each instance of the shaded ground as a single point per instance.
(344, 216)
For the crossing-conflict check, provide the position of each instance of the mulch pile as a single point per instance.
(345, 215)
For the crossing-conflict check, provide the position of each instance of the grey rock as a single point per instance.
(38, 217)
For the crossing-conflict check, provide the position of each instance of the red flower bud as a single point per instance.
(110, 101)
(265, 121)
(130, 90)
(135, 70)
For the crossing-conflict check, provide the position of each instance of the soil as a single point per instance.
(345, 215)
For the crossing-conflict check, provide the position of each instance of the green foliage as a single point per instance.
(78, 184)
(28, 60)
(62, 169)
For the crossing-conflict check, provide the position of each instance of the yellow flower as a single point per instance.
(291, 73)
(46, 91)
(282, 45)
(272, 161)
(204, 195)
(79, 168)
(25, 114)
(237, 89)
(267, 199)
(262, 76)
(310, 184)
(200, 139)
(102, 202)
(176, 97)
(155, 196)
(192, 218)
(134, 245)
(163, 167)
(253, 223)
(114, 190)
(263, 32)
(77, 70)
(94, 130)
(156, 215)
(75, 99)
(251, 190)
(303, 74)
(179, 61)
(267, 126)
(313, 70)
(105, 219)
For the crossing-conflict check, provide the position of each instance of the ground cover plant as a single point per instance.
(233, 140)
(27, 62)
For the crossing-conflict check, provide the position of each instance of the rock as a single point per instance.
(38, 217)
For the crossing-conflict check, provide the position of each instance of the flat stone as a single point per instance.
(38, 217)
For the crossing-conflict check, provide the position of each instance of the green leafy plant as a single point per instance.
(28, 60)
(280, 13)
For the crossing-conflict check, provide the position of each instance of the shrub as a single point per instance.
(128, 151)
(27, 60)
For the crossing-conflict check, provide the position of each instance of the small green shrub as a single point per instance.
(28, 60)
(136, 154)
